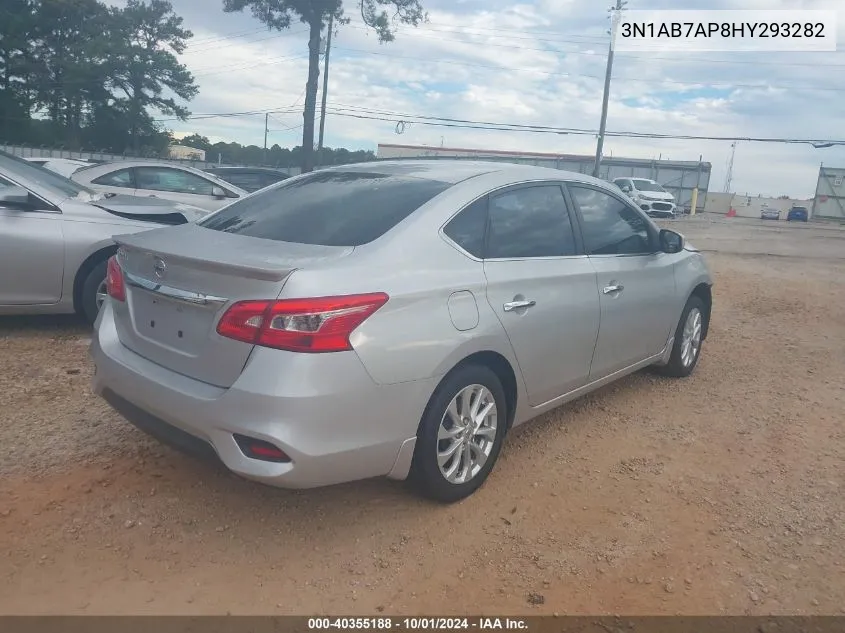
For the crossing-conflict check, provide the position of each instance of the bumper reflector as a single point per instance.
(260, 450)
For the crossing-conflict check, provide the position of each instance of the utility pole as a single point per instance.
(615, 13)
(730, 174)
(325, 91)
(266, 125)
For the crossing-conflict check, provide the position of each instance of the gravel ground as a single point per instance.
(721, 493)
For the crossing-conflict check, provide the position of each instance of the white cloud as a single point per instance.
(537, 64)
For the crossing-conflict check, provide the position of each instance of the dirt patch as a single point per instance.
(722, 493)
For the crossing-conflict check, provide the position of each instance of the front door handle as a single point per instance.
(608, 290)
(516, 305)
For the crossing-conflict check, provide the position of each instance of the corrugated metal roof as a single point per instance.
(480, 153)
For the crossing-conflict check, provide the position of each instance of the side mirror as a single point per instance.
(670, 241)
(218, 192)
(14, 196)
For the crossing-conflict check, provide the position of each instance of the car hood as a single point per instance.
(138, 206)
(657, 195)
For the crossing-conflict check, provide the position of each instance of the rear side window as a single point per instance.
(119, 178)
(467, 228)
(530, 222)
(247, 181)
(327, 208)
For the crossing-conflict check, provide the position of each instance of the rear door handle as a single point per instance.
(611, 289)
(516, 305)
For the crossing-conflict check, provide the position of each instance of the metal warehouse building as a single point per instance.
(829, 201)
(677, 177)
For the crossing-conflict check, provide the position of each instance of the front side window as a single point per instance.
(171, 181)
(328, 208)
(119, 178)
(530, 222)
(610, 226)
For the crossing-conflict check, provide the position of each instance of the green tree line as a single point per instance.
(79, 73)
(275, 156)
(82, 74)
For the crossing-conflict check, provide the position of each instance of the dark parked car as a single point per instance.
(798, 214)
(249, 178)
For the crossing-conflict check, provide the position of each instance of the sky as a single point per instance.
(532, 63)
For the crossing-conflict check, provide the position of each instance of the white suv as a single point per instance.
(648, 196)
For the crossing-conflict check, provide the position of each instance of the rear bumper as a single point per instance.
(322, 410)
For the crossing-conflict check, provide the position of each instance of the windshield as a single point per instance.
(647, 185)
(30, 174)
(329, 208)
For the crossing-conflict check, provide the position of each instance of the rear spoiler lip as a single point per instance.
(262, 273)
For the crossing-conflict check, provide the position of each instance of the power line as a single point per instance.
(225, 36)
(565, 74)
(190, 51)
(386, 115)
(245, 65)
(420, 32)
(414, 33)
(641, 135)
(523, 32)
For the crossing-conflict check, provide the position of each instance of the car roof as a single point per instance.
(232, 168)
(455, 171)
(122, 164)
(104, 168)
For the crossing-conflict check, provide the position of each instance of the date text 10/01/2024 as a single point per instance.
(416, 624)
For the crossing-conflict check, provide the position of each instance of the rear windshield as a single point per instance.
(327, 208)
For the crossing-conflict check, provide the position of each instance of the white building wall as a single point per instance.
(183, 152)
(750, 206)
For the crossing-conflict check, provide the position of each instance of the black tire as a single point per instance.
(676, 367)
(93, 279)
(426, 477)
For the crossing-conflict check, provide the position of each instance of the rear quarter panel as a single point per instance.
(413, 336)
(88, 232)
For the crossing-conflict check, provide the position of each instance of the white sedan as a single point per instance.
(62, 166)
(160, 180)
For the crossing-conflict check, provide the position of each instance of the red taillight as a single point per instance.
(323, 324)
(114, 280)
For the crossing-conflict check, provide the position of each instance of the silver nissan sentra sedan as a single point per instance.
(391, 319)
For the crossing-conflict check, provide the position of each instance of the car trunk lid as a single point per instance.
(179, 282)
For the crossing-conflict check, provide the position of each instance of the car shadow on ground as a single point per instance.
(44, 323)
(209, 484)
